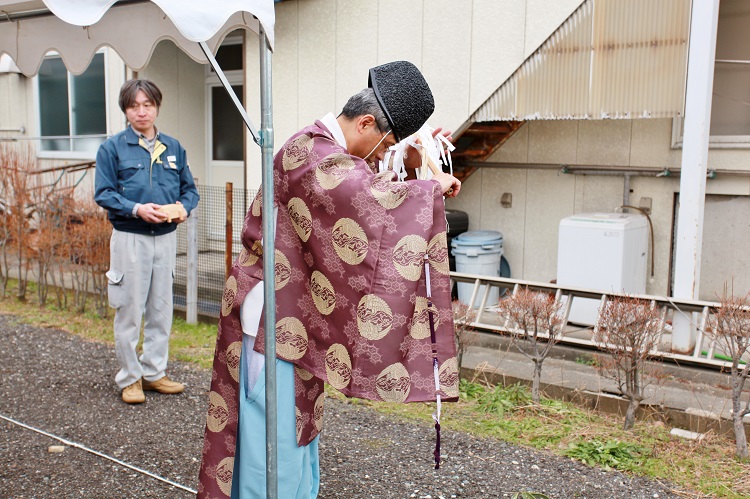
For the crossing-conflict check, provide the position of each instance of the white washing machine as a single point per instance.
(602, 251)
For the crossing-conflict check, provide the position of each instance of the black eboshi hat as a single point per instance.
(404, 95)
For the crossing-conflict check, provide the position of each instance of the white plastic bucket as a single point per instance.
(478, 252)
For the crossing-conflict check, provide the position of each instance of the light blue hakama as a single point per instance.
(298, 467)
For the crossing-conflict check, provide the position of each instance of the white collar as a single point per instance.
(332, 124)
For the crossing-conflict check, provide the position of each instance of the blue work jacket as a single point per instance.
(126, 174)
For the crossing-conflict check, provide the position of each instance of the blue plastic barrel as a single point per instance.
(478, 252)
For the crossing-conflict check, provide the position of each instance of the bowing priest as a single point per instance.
(362, 290)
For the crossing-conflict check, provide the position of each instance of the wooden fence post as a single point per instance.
(228, 231)
(191, 289)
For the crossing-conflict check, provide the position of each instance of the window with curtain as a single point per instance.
(72, 108)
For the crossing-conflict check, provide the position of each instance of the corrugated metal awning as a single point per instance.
(609, 59)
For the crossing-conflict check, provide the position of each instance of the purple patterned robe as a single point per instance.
(351, 297)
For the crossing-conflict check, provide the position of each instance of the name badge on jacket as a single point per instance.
(171, 161)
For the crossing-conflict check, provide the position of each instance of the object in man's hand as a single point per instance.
(427, 160)
(173, 212)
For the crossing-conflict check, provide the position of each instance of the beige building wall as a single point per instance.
(542, 195)
(324, 49)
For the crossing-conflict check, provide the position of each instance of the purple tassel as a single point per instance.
(437, 446)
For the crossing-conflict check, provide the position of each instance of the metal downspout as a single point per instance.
(269, 264)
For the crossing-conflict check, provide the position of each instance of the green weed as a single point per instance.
(502, 399)
(609, 454)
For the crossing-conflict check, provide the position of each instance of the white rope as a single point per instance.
(435, 366)
(82, 447)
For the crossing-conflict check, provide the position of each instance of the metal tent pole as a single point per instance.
(269, 264)
(265, 140)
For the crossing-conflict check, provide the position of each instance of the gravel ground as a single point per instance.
(64, 386)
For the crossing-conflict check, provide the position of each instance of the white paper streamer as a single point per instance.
(438, 149)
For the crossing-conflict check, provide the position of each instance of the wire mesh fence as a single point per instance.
(212, 229)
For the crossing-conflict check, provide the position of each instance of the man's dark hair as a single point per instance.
(364, 102)
(131, 87)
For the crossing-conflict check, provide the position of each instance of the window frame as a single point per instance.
(71, 154)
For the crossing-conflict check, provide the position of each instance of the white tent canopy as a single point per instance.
(76, 29)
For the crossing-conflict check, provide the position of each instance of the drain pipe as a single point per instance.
(626, 190)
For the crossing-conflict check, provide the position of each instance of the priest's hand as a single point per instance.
(449, 184)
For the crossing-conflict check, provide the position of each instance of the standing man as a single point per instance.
(144, 182)
(362, 291)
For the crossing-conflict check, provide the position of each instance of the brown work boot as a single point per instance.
(133, 394)
(163, 385)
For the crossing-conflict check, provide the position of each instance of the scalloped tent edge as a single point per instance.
(30, 35)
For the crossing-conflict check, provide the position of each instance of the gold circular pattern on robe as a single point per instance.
(393, 383)
(349, 241)
(303, 373)
(322, 292)
(438, 252)
(448, 376)
(224, 475)
(283, 269)
(218, 414)
(338, 366)
(408, 257)
(227, 298)
(291, 338)
(301, 218)
(257, 206)
(296, 152)
(374, 317)
(420, 323)
(332, 170)
(389, 194)
(246, 258)
(318, 412)
(233, 359)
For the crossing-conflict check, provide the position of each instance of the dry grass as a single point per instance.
(193, 343)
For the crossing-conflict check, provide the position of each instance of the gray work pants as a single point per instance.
(141, 270)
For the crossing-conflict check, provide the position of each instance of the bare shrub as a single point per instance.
(465, 336)
(16, 163)
(535, 317)
(729, 329)
(629, 330)
(97, 256)
(89, 255)
(64, 213)
(5, 222)
(51, 205)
